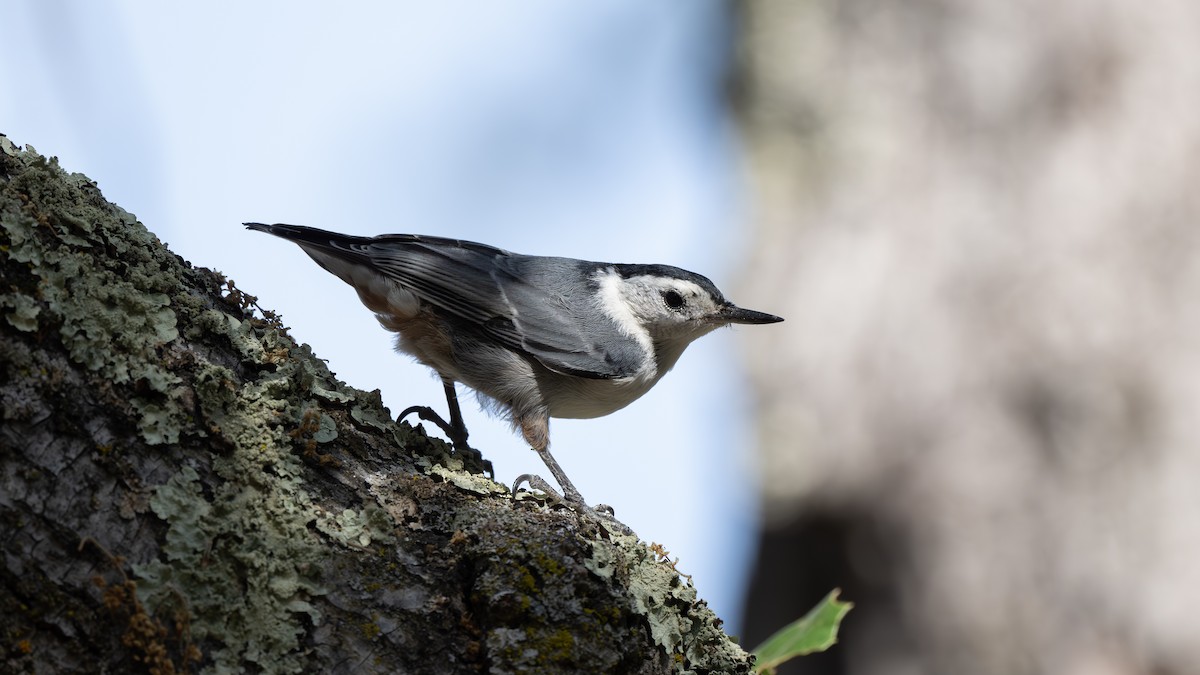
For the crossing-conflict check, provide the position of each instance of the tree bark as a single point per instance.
(184, 487)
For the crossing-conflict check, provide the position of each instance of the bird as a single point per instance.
(536, 337)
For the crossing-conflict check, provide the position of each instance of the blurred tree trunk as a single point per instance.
(981, 414)
(183, 487)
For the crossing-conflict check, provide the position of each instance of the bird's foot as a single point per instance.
(428, 415)
(569, 494)
(458, 437)
(570, 497)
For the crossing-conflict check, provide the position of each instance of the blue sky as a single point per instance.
(585, 129)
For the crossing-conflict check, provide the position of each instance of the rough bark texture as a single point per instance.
(185, 488)
(981, 415)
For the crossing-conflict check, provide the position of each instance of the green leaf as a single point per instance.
(815, 632)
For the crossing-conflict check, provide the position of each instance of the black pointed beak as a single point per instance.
(735, 314)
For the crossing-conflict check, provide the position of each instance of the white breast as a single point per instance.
(579, 398)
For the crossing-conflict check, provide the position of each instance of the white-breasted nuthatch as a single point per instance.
(536, 337)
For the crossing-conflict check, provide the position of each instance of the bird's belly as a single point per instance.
(581, 398)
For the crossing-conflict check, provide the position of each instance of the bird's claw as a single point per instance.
(602, 511)
(428, 415)
(537, 483)
(458, 438)
(569, 494)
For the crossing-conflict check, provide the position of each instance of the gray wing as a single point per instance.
(541, 306)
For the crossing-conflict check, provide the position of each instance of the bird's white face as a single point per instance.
(671, 308)
(665, 308)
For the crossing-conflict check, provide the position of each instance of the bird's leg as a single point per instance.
(536, 430)
(456, 429)
(570, 494)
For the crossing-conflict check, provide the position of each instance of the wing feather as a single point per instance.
(540, 306)
(543, 307)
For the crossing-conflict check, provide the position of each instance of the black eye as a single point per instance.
(673, 299)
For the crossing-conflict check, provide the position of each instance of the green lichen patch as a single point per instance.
(245, 542)
(111, 312)
(368, 411)
(242, 554)
(243, 562)
(471, 482)
(547, 601)
(247, 556)
(679, 623)
(359, 528)
(23, 311)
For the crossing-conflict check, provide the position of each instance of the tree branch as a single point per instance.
(185, 487)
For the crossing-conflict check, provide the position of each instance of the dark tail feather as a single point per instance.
(310, 236)
(322, 245)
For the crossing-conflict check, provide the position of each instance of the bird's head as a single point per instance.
(678, 306)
